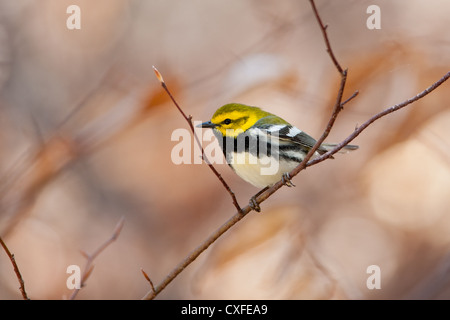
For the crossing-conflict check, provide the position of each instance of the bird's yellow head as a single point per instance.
(234, 118)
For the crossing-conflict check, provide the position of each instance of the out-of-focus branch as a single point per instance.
(16, 270)
(91, 257)
(30, 174)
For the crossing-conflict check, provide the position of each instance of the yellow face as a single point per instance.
(234, 122)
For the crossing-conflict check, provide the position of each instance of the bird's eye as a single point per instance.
(227, 121)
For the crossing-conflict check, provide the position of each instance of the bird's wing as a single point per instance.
(288, 133)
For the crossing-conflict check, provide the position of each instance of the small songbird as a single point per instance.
(259, 146)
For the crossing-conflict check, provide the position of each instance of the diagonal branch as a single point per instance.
(16, 270)
(196, 252)
(91, 257)
(323, 28)
(338, 106)
(377, 116)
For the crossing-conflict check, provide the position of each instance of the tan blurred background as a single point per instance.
(85, 138)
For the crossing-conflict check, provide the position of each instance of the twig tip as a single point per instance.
(118, 228)
(148, 279)
(145, 275)
(85, 254)
(158, 74)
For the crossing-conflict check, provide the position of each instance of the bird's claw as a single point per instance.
(286, 179)
(254, 204)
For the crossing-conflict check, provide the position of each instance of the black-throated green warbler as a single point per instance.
(259, 146)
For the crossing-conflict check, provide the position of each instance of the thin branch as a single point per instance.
(191, 126)
(350, 98)
(196, 252)
(336, 110)
(338, 106)
(16, 270)
(377, 116)
(149, 280)
(91, 257)
(323, 28)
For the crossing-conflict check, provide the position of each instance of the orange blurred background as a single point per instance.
(85, 138)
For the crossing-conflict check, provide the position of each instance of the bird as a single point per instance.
(261, 147)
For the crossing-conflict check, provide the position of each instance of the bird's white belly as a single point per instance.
(262, 171)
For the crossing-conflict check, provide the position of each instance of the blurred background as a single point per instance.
(85, 139)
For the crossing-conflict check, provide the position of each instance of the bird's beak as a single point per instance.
(207, 124)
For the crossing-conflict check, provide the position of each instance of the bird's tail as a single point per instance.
(347, 148)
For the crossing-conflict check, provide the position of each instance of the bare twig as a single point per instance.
(338, 106)
(323, 28)
(377, 116)
(91, 257)
(16, 270)
(305, 163)
(191, 126)
(196, 252)
(149, 280)
(350, 98)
